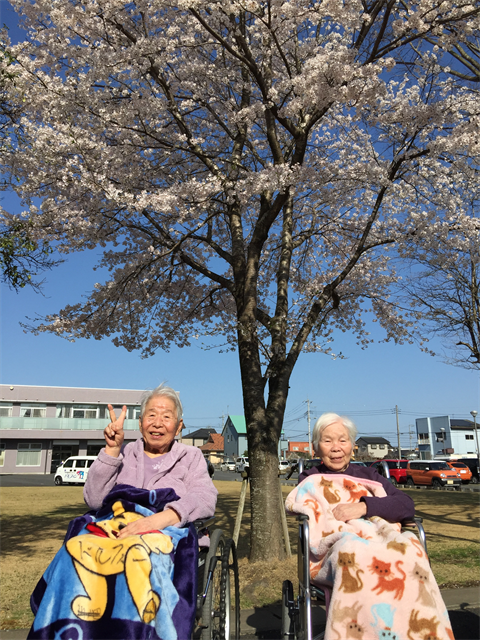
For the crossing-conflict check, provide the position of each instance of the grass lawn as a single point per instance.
(34, 522)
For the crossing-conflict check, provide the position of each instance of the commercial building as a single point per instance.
(41, 426)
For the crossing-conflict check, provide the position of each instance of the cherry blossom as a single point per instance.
(254, 172)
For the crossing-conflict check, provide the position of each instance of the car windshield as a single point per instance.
(434, 466)
(460, 465)
(392, 464)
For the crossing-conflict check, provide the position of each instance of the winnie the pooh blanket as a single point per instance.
(100, 588)
(381, 581)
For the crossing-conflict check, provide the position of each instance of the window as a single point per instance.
(5, 411)
(88, 414)
(373, 446)
(136, 413)
(2, 454)
(295, 448)
(381, 446)
(29, 454)
(33, 412)
(469, 437)
(94, 449)
(80, 464)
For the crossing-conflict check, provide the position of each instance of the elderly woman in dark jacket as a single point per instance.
(333, 440)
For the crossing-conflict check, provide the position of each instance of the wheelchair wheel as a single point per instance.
(288, 623)
(229, 594)
(213, 610)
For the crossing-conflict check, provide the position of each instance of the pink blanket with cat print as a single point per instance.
(381, 582)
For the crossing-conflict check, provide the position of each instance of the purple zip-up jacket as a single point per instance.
(184, 470)
(396, 506)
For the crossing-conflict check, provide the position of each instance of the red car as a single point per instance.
(398, 470)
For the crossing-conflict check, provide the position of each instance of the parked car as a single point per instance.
(241, 464)
(313, 462)
(74, 470)
(398, 470)
(283, 466)
(462, 469)
(228, 465)
(359, 462)
(433, 473)
(472, 464)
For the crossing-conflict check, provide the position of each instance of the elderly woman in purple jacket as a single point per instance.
(154, 461)
(333, 440)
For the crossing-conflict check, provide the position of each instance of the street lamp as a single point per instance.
(474, 415)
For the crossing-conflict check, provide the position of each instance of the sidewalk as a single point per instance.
(264, 623)
(463, 606)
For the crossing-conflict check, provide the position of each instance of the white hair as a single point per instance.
(324, 421)
(168, 392)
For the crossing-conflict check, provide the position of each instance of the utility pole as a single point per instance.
(309, 433)
(410, 437)
(398, 437)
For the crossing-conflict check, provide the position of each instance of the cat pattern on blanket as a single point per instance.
(382, 587)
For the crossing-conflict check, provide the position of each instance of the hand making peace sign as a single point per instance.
(113, 432)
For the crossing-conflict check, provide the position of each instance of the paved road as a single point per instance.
(42, 480)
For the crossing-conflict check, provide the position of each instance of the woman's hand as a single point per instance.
(151, 523)
(346, 512)
(113, 432)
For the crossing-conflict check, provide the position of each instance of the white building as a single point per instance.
(41, 426)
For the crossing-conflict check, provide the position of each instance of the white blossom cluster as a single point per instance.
(256, 171)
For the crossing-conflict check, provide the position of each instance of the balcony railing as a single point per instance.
(66, 424)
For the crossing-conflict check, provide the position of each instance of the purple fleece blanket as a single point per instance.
(100, 588)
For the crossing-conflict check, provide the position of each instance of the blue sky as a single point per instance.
(367, 385)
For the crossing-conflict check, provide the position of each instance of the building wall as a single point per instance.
(377, 451)
(230, 441)
(431, 444)
(298, 447)
(35, 435)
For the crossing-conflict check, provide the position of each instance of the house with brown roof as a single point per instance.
(213, 449)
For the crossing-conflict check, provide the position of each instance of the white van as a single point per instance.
(74, 470)
(241, 464)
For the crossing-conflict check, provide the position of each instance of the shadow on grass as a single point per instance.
(20, 533)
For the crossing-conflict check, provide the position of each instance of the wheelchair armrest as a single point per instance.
(417, 524)
(203, 523)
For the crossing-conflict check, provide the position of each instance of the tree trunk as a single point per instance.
(264, 425)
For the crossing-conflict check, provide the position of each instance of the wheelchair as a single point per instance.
(296, 616)
(218, 596)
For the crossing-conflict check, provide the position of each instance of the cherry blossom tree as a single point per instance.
(21, 256)
(250, 168)
(444, 290)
